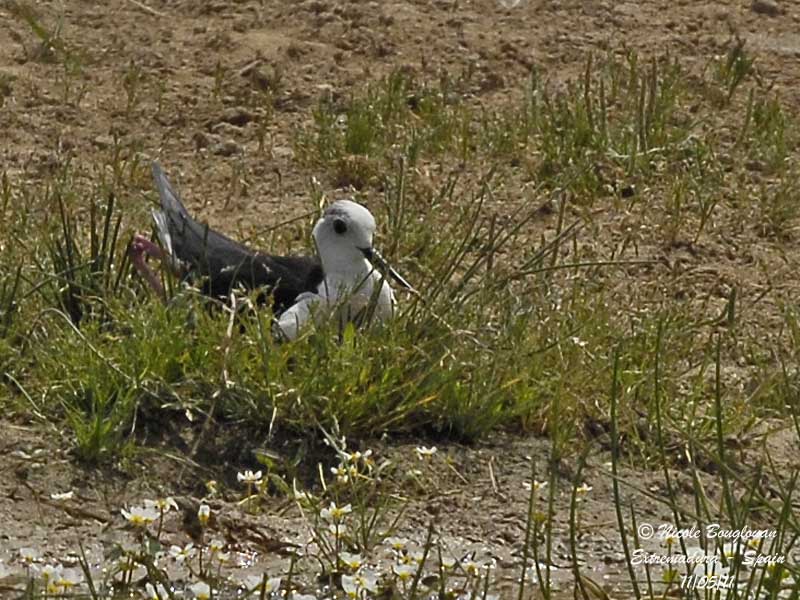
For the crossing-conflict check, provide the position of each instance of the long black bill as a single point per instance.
(374, 256)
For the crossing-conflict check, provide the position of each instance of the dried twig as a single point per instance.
(147, 9)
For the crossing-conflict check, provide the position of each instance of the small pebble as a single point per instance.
(237, 116)
(204, 140)
(226, 148)
(103, 141)
(766, 7)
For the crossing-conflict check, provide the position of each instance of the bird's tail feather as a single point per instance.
(190, 243)
(164, 236)
(170, 202)
(184, 238)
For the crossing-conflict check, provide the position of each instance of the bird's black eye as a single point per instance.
(339, 226)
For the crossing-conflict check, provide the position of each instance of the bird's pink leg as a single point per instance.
(139, 249)
(143, 245)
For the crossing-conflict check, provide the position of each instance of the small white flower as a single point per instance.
(139, 516)
(537, 485)
(69, 578)
(396, 543)
(216, 545)
(368, 461)
(51, 572)
(248, 477)
(181, 554)
(204, 514)
(353, 457)
(367, 580)
(29, 555)
(335, 513)
(404, 572)
(470, 567)
(60, 497)
(584, 489)
(358, 456)
(341, 473)
(448, 562)
(51, 576)
(578, 342)
(351, 561)
(200, 590)
(350, 586)
(256, 582)
(424, 452)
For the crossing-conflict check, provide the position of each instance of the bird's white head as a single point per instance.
(344, 236)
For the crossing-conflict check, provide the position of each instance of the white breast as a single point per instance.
(293, 320)
(352, 297)
(346, 297)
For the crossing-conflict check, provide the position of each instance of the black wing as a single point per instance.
(225, 264)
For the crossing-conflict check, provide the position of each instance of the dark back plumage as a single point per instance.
(224, 264)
